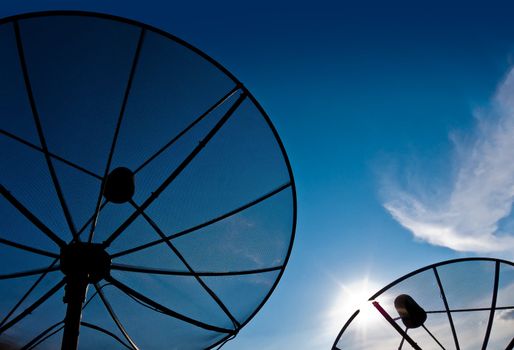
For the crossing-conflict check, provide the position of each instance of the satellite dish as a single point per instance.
(456, 304)
(142, 184)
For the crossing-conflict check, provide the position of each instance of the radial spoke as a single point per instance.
(41, 337)
(493, 305)
(468, 310)
(32, 218)
(132, 293)
(117, 130)
(140, 269)
(27, 293)
(33, 307)
(448, 313)
(205, 224)
(189, 127)
(433, 337)
(28, 248)
(53, 155)
(105, 331)
(39, 128)
(28, 273)
(114, 317)
(177, 171)
(88, 222)
(94, 295)
(188, 267)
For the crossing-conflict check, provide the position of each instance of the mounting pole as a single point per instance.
(82, 263)
(74, 296)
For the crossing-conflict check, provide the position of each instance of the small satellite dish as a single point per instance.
(456, 304)
(142, 184)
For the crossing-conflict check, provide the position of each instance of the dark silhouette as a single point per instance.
(412, 315)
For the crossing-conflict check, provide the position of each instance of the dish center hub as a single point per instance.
(89, 261)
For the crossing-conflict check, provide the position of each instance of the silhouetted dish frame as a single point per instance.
(238, 84)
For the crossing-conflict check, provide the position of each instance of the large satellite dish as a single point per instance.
(142, 184)
(456, 304)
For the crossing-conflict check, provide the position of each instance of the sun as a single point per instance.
(352, 297)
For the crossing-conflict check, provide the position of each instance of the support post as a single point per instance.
(82, 263)
(74, 296)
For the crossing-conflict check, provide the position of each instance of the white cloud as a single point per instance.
(481, 192)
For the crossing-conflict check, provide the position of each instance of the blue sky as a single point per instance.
(384, 111)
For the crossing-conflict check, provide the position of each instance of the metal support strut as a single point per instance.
(74, 296)
(82, 263)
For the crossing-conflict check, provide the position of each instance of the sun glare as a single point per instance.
(352, 297)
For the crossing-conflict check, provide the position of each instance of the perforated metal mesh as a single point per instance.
(469, 305)
(209, 230)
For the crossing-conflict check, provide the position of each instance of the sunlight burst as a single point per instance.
(352, 297)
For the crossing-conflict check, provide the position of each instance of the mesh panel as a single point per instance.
(51, 342)
(257, 237)
(470, 328)
(16, 227)
(155, 172)
(109, 219)
(503, 324)
(153, 330)
(81, 191)
(79, 67)
(182, 294)
(468, 284)
(90, 338)
(172, 87)
(439, 326)
(13, 291)
(422, 288)
(25, 174)
(240, 293)
(506, 286)
(159, 256)
(96, 313)
(16, 260)
(241, 163)
(50, 312)
(14, 107)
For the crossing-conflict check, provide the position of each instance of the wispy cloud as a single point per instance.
(480, 194)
